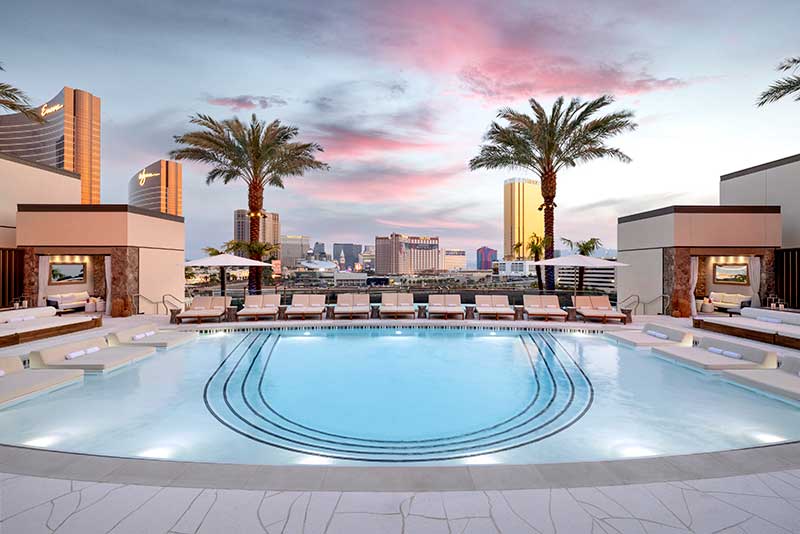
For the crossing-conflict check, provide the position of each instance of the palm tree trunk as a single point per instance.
(549, 196)
(255, 203)
(538, 273)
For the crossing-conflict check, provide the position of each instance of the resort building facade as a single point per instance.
(404, 254)
(68, 138)
(269, 226)
(485, 256)
(293, 249)
(453, 259)
(521, 216)
(349, 253)
(158, 187)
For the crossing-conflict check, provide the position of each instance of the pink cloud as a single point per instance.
(346, 143)
(243, 102)
(429, 223)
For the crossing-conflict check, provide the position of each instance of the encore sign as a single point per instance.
(143, 176)
(45, 111)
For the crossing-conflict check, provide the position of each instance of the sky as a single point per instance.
(399, 94)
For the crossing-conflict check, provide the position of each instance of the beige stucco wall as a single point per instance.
(647, 233)
(778, 186)
(642, 277)
(26, 184)
(160, 272)
(727, 229)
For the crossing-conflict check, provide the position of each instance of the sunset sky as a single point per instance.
(400, 93)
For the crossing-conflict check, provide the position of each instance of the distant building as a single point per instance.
(69, 138)
(403, 254)
(366, 260)
(293, 249)
(485, 258)
(604, 279)
(350, 251)
(515, 268)
(347, 279)
(158, 187)
(319, 251)
(452, 259)
(269, 223)
(522, 198)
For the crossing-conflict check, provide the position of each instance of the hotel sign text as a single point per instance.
(45, 110)
(143, 176)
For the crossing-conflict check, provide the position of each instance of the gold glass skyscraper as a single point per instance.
(69, 137)
(158, 187)
(521, 216)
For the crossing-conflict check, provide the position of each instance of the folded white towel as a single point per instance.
(16, 319)
(76, 354)
(775, 320)
(139, 336)
(150, 333)
(731, 354)
(29, 318)
(92, 350)
(659, 335)
(715, 350)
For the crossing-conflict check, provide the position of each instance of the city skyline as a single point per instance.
(400, 123)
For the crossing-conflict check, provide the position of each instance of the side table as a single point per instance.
(572, 314)
(173, 315)
(628, 315)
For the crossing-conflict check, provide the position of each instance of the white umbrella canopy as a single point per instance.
(579, 261)
(226, 260)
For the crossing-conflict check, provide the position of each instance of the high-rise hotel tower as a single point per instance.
(521, 216)
(406, 254)
(158, 187)
(69, 138)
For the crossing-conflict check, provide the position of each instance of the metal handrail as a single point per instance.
(173, 297)
(660, 297)
(136, 298)
(621, 303)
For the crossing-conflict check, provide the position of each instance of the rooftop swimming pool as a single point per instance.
(347, 396)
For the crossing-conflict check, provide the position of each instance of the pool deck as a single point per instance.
(753, 490)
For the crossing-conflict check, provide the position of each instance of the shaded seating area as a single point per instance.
(495, 306)
(543, 307)
(31, 324)
(445, 306)
(305, 306)
(91, 355)
(715, 354)
(18, 383)
(783, 381)
(352, 305)
(397, 305)
(260, 307)
(758, 324)
(653, 335)
(597, 308)
(148, 335)
(204, 308)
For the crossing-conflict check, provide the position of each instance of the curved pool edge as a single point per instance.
(92, 468)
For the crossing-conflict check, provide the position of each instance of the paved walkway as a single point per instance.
(750, 504)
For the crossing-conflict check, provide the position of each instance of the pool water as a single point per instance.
(405, 396)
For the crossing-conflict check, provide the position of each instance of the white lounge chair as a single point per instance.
(544, 306)
(148, 335)
(652, 335)
(597, 308)
(17, 383)
(304, 306)
(397, 305)
(260, 306)
(783, 381)
(445, 305)
(351, 305)
(204, 307)
(715, 354)
(93, 355)
(30, 324)
(493, 306)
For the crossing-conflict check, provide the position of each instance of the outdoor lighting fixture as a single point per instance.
(398, 332)
(493, 333)
(306, 333)
(315, 460)
(157, 452)
(763, 437)
(43, 442)
(635, 451)
(483, 459)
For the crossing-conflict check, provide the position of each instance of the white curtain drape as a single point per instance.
(107, 260)
(694, 269)
(44, 279)
(755, 280)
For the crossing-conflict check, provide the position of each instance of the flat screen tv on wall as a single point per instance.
(67, 273)
(731, 273)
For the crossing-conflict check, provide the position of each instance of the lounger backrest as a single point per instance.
(252, 301)
(126, 336)
(11, 364)
(54, 355)
(389, 299)
(550, 301)
(600, 302)
(673, 334)
(220, 303)
(771, 316)
(344, 299)
(436, 300)
(316, 300)
(361, 299)
(300, 300)
(500, 301)
(582, 301)
(270, 301)
(532, 301)
(405, 299)
(790, 364)
(201, 303)
(452, 300)
(484, 301)
(765, 358)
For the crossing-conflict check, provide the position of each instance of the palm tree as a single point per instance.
(537, 246)
(16, 101)
(545, 144)
(584, 248)
(257, 153)
(785, 86)
(258, 250)
(517, 249)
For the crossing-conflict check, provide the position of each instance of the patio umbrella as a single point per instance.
(225, 260)
(579, 261)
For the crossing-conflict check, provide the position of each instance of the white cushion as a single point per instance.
(731, 354)
(150, 333)
(92, 350)
(659, 335)
(775, 320)
(16, 319)
(139, 336)
(2, 372)
(76, 354)
(715, 350)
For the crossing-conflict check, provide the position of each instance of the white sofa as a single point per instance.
(729, 302)
(68, 301)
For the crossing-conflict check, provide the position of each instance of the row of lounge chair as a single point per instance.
(397, 305)
(740, 364)
(30, 324)
(768, 326)
(61, 365)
